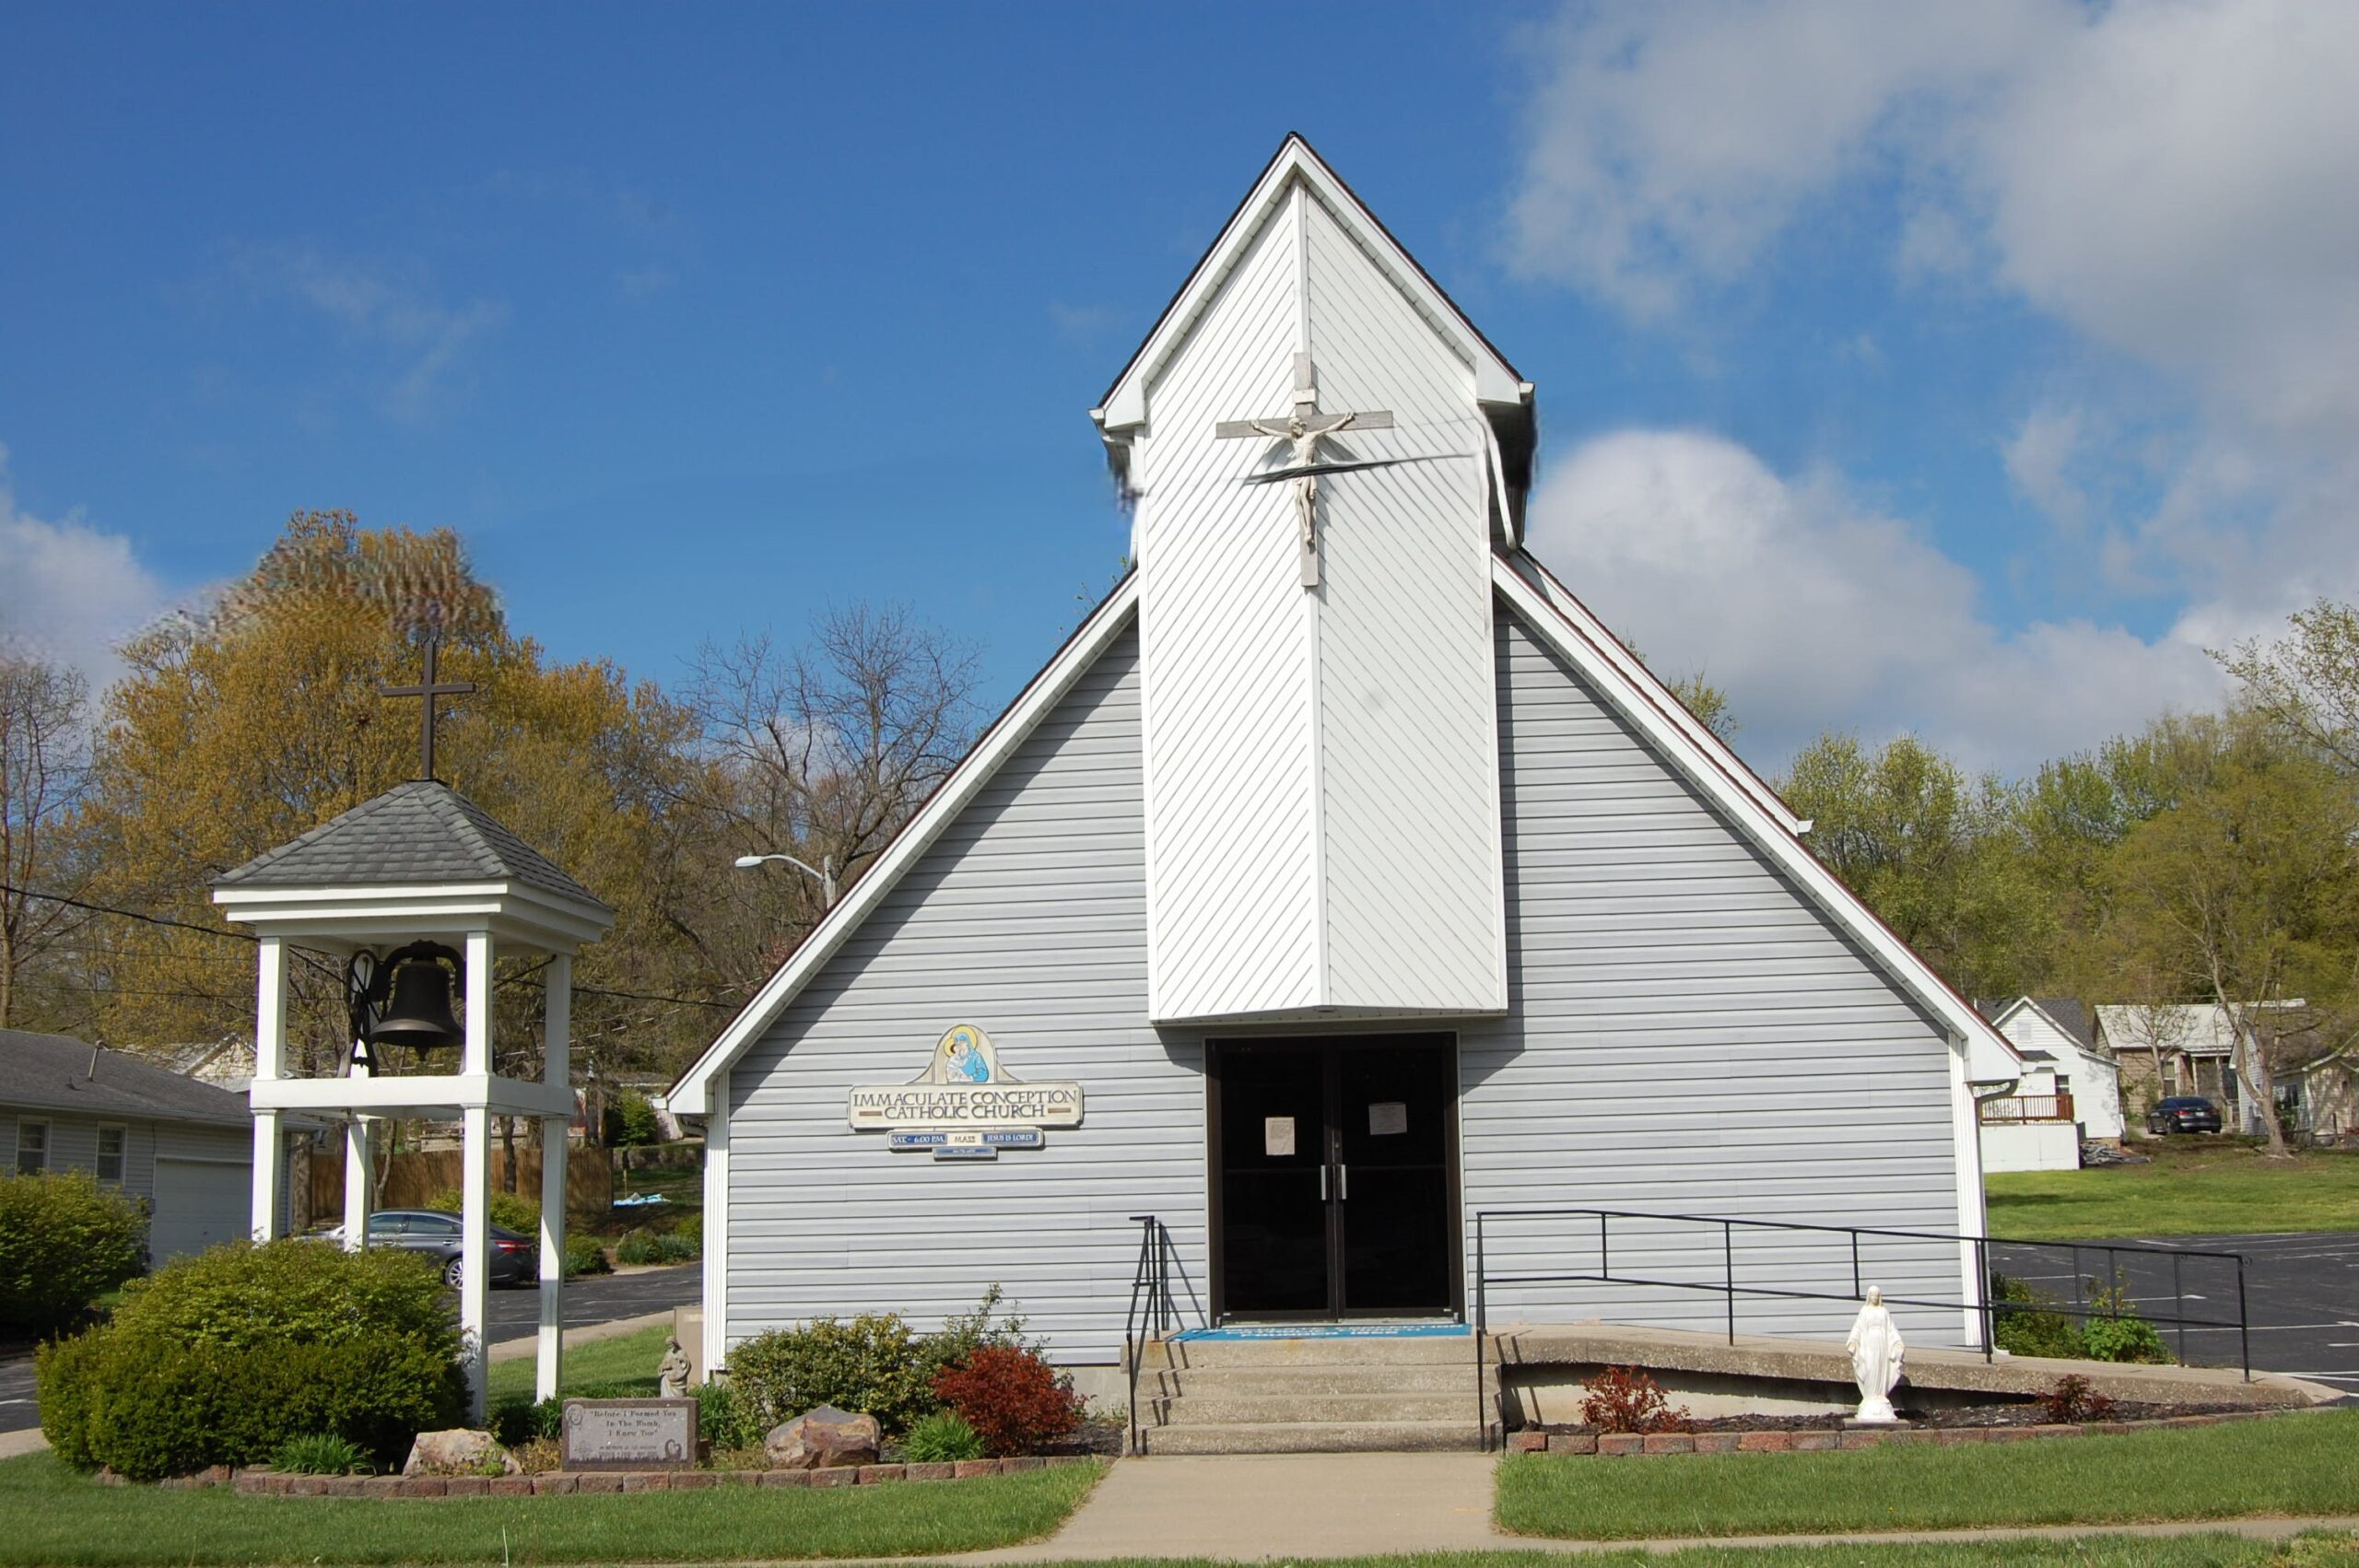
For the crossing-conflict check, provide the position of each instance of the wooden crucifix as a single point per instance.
(1304, 429)
(428, 690)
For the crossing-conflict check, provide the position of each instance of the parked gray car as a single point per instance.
(515, 1260)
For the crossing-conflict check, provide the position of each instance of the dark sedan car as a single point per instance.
(514, 1259)
(2183, 1113)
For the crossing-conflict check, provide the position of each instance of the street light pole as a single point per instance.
(824, 870)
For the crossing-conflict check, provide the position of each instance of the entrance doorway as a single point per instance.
(1335, 1177)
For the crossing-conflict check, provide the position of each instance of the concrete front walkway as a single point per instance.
(1244, 1507)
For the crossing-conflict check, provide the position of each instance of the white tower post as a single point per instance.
(557, 1072)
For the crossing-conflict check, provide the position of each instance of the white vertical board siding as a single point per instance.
(1232, 869)
(1029, 917)
(1408, 781)
(1689, 1035)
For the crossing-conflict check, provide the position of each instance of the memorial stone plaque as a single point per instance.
(630, 1434)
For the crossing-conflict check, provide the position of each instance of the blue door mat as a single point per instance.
(1330, 1331)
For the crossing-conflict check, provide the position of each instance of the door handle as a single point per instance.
(1342, 1183)
(1322, 1183)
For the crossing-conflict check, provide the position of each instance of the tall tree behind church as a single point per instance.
(240, 729)
(45, 755)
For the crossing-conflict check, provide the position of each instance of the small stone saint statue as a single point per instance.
(1876, 1352)
(672, 1372)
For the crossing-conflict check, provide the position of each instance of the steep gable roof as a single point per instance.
(1496, 382)
(422, 832)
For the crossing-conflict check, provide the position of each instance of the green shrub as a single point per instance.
(2024, 1323)
(64, 1241)
(641, 1247)
(962, 1336)
(630, 1120)
(2124, 1335)
(872, 1364)
(722, 1418)
(941, 1438)
(319, 1454)
(691, 1230)
(516, 1422)
(221, 1358)
(584, 1254)
(508, 1211)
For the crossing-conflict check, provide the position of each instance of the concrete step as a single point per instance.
(1302, 1381)
(1201, 1409)
(1313, 1437)
(1439, 1350)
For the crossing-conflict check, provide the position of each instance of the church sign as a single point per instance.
(963, 1107)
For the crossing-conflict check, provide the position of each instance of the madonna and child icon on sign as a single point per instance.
(963, 1057)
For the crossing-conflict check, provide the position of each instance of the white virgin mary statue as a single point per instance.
(1876, 1350)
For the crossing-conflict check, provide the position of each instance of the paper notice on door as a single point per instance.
(1277, 1135)
(1386, 1117)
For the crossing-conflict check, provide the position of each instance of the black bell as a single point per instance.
(417, 1011)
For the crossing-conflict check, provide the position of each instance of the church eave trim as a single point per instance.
(690, 1095)
(1709, 764)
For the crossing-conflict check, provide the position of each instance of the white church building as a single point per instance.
(1346, 898)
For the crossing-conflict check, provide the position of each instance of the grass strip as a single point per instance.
(2314, 1549)
(2294, 1465)
(626, 1359)
(2228, 1190)
(51, 1516)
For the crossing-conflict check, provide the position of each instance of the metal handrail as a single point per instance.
(1987, 1309)
(1151, 1306)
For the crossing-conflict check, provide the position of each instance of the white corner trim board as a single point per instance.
(1713, 769)
(692, 1094)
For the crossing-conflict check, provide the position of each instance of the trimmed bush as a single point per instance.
(222, 1358)
(508, 1211)
(1015, 1401)
(2023, 1324)
(516, 1422)
(941, 1438)
(584, 1254)
(644, 1247)
(872, 1364)
(64, 1241)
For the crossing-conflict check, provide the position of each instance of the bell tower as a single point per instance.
(1322, 452)
(412, 896)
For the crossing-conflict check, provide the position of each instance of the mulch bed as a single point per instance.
(2024, 1413)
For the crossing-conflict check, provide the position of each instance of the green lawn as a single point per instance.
(2191, 1189)
(2296, 1465)
(2317, 1550)
(627, 1358)
(51, 1516)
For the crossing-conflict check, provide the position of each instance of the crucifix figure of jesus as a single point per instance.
(1304, 429)
(429, 689)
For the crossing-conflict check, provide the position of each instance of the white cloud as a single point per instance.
(1815, 611)
(2169, 179)
(69, 591)
(417, 340)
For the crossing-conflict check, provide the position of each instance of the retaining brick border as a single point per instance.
(1616, 1445)
(567, 1483)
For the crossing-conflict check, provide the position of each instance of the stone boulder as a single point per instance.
(459, 1451)
(824, 1439)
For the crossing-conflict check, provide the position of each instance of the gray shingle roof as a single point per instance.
(2071, 1017)
(420, 832)
(54, 1073)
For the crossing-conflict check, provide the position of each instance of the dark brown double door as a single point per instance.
(1335, 1167)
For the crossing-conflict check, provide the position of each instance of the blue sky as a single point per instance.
(1958, 373)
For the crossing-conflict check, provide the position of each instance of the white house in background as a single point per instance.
(1341, 883)
(2166, 1048)
(184, 1147)
(2070, 1091)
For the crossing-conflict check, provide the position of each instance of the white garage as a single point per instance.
(199, 1203)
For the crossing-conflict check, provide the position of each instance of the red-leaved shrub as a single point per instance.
(1621, 1400)
(2074, 1399)
(1015, 1401)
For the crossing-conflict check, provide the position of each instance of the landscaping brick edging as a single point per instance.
(563, 1484)
(1616, 1445)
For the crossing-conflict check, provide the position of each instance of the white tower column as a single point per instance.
(555, 1070)
(360, 1180)
(270, 1062)
(474, 1195)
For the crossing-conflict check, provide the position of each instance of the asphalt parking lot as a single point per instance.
(2301, 1295)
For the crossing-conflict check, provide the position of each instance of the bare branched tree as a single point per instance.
(45, 767)
(822, 752)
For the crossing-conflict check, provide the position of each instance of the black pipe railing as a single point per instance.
(1152, 1310)
(2108, 1305)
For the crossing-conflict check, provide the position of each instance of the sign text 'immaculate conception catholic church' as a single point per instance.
(963, 1107)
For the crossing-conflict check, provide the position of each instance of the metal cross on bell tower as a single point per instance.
(427, 689)
(1305, 429)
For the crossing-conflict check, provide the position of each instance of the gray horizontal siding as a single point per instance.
(1027, 917)
(1688, 1034)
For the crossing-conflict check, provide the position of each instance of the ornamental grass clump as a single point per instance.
(1015, 1401)
(223, 1357)
(942, 1438)
(319, 1454)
